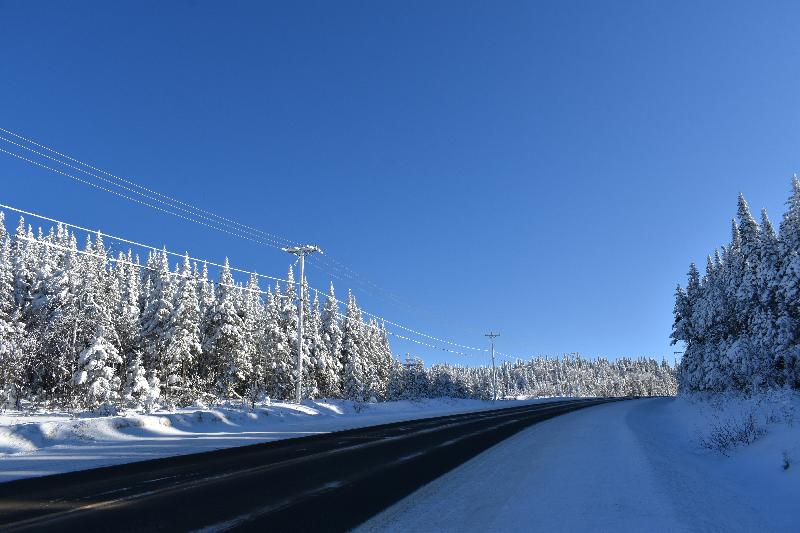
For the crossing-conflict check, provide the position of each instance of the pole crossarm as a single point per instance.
(303, 250)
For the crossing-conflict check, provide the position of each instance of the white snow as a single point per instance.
(49, 443)
(626, 466)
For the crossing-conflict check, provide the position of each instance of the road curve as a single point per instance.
(329, 482)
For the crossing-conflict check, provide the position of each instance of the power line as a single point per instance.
(129, 182)
(138, 265)
(395, 324)
(403, 337)
(134, 243)
(195, 211)
(110, 182)
(239, 287)
(136, 200)
(213, 227)
(251, 273)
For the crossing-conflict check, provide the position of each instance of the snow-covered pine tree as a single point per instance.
(12, 364)
(182, 348)
(332, 336)
(326, 364)
(765, 320)
(139, 391)
(312, 333)
(417, 384)
(205, 291)
(61, 325)
(128, 316)
(287, 319)
(356, 378)
(787, 359)
(254, 316)
(277, 349)
(224, 340)
(7, 303)
(23, 260)
(687, 310)
(309, 382)
(740, 362)
(96, 379)
(98, 361)
(155, 320)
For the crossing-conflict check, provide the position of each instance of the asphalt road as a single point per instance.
(329, 482)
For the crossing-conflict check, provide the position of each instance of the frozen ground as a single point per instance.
(49, 443)
(627, 466)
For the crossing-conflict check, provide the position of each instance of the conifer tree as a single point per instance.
(326, 364)
(355, 379)
(277, 348)
(182, 348)
(12, 363)
(224, 345)
(138, 391)
(253, 312)
(155, 320)
(332, 337)
(96, 378)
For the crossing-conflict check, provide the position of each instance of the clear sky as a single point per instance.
(545, 169)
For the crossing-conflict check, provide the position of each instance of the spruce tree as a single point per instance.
(224, 340)
(277, 349)
(182, 347)
(155, 320)
(332, 337)
(96, 378)
(254, 317)
(355, 379)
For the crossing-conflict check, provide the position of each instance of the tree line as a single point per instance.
(81, 328)
(538, 377)
(740, 320)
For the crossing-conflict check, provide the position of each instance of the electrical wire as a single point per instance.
(319, 293)
(173, 203)
(409, 330)
(132, 183)
(138, 265)
(134, 243)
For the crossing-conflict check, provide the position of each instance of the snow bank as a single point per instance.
(625, 466)
(36, 444)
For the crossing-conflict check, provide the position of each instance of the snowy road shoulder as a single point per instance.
(626, 466)
(50, 443)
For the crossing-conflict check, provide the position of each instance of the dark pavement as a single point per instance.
(329, 482)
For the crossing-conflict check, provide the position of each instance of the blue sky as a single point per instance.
(546, 169)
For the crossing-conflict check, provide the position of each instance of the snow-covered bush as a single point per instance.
(728, 434)
(731, 420)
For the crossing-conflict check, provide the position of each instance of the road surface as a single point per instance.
(329, 482)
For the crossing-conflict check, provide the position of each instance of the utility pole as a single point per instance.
(301, 252)
(492, 336)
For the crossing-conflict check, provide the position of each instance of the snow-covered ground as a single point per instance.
(627, 466)
(49, 443)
